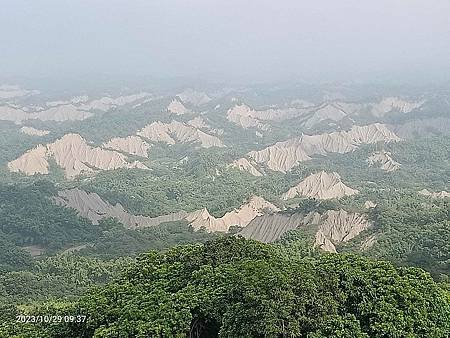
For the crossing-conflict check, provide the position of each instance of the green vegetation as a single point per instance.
(63, 276)
(201, 181)
(237, 288)
(29, 217)
(116, 241)
(410, 230)
(424, 163)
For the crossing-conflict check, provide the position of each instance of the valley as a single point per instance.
(88, 185)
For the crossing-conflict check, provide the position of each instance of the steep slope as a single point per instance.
(245, 165)
(334, 111)
(331, 228)
(106, 103)
(243, 115)
(62, 113)
(393, 104)
(338, 227)
(59, 113)
(198, 122)
(321, 185)
(311, 115)
(91, 206)
(76, 109)
(74, 155)
(384, 159)
(269, 228)
(256, 206)
(283, 156)
(423, 127)
(133, 145)
(34, 161)
(175, 131)
(194, 97)
(177, 108)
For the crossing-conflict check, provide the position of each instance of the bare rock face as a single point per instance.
(247, 117)
(106, 103)
(76, 109)
(33, 162)
(14, 114)
(329, 111)
(177, 108)
(270, 227)
(243, 115)
(283, 156)
(423, 127)
(385, 160)
(133, 145)
(256, 206)
(440, 194)
(321, 185)
(175, 131)
(331, 228)
(245, 165)
(74, 155)
(324, 243)
(62, 113)
(341, 226)
(194, 97)
(92, 207)
(33, 131)
(391, 104)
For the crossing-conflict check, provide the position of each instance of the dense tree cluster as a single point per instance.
(233, 287)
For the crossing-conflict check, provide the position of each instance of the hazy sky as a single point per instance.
(225, 39)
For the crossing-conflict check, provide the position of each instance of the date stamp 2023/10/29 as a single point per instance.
(50, 319)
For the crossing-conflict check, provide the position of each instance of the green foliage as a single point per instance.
(118, 241)
(412, 230)
(29, 217)
(233, 287)
(62, 276)
(188, 187)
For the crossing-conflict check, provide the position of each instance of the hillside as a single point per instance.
(258, 290)
(335, 186)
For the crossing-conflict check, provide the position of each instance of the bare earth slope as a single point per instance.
(384, 159)
(321, 185)
(74, 155)
(331, 228)
(133, 145)
(91, 206)
(175, 131)
(283, 156)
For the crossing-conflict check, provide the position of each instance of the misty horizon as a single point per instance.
(234, 41)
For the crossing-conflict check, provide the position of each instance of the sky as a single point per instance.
(236, 40)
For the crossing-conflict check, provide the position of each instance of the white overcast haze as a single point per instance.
(235, 40)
